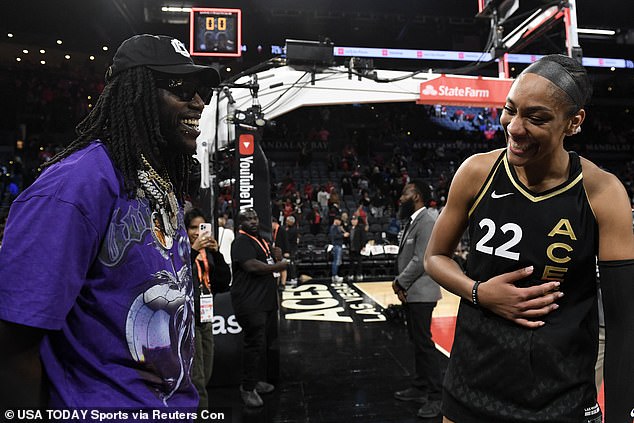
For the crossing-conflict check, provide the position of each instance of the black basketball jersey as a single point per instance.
(500, 371)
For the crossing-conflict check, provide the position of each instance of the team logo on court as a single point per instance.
(338, 302)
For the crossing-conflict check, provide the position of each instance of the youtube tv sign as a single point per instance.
(252, 183)
(245, 171)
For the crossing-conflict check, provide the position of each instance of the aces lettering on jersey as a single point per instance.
(557, 252)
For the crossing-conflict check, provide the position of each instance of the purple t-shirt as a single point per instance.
(81, 259)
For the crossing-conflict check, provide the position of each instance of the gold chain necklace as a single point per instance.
(161, 194)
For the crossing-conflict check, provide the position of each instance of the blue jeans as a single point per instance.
(337, 253)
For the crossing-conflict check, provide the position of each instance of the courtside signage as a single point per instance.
(465, 91)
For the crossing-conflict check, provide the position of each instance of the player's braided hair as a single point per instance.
(126, 119)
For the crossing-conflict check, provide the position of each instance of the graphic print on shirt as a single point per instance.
(159, 320)
(129, 228)
(125, 230)
(160, 334)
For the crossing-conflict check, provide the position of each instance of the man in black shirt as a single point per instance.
(254, 298)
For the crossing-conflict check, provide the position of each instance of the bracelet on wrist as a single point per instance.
(474, 293)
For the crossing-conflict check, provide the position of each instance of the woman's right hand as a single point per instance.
(205, 241)
(520, 305)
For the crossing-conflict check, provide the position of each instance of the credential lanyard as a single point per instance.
(263, 245)
(203, 276)
(275, 236)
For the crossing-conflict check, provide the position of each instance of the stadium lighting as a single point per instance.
(590, 31)
(174, 9)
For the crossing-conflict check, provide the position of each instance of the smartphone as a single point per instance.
(204, 229)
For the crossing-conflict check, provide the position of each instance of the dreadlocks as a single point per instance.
(126, 120)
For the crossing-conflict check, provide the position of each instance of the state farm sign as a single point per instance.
(465, 91)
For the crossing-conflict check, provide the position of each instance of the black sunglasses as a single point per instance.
(185, 89)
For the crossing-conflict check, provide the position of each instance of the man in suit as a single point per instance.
(419, 294)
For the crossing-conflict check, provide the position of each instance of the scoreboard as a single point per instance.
(215, 32)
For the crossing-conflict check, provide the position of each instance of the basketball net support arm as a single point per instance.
(271, 93)
(283, 89)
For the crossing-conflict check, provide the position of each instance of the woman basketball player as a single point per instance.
(539, 217)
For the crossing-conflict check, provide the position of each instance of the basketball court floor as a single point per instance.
(341, 357)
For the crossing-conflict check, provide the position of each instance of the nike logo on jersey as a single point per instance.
(494, 195)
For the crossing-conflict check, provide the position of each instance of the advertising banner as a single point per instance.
(252, 187)
(465, 91)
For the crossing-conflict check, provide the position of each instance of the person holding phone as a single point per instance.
(211, 275)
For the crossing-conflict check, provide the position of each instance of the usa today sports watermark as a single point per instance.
(157, 415)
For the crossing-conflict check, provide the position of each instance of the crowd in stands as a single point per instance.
(38, 114)
(484, 120)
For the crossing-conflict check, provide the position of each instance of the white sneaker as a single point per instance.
(338, 278)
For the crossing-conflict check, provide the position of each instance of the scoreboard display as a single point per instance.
(215, 32)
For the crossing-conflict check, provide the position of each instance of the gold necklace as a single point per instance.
(167, 185)
(161, 194)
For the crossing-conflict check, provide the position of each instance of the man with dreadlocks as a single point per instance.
(96, 309)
